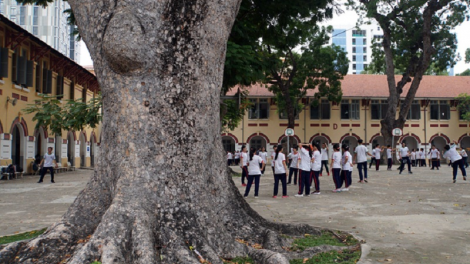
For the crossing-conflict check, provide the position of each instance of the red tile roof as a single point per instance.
(375, 86)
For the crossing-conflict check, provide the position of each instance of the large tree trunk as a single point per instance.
(161, 187)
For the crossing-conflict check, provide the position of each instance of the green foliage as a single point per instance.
(403, 21)
(232, 111)
(333, 257)
(261, 47)
(467, 56)
(22, 236)
(464, 73)
(464, 106)
(326, 238)
(96, 262)
(51, 113)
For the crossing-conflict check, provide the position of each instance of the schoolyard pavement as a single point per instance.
(417, 218)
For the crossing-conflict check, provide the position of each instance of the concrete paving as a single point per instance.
(418, 218)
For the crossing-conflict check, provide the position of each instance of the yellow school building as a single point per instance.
(433, 118)
(28, 68)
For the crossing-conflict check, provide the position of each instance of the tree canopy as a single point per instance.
(280, 43)
(416, 35)
(464, 106)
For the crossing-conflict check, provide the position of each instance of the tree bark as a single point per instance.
(161, 190)
(416, 69)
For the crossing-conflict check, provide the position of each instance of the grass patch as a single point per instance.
(326, 238)
(332, 257)
(22, 236)
(236, 174)
(240, 260)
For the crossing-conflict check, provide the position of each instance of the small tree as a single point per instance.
(51, 113)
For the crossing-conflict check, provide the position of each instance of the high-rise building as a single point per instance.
(357, 42)
(48, 24)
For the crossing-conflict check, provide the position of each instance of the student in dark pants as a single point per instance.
(457, 161)
(294, 166)
(405, 158)
(316, 167)
(280, 168)
(336, 168)
(324, 159)
(48, 160)
(360, 157)
(243, 164)
(372, 160)
(389, 157)
(304, 167)
(254, 172)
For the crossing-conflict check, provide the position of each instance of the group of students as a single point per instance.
(306, 165)
(306, 162)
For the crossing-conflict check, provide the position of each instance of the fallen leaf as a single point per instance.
(388, 260)
(305, 260)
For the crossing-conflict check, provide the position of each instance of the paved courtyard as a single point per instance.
(418, 218)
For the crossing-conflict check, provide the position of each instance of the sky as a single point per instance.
(350, 17)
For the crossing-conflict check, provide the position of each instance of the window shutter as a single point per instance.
(44, 80)
(21, 76)
(4, 62)
(60, 87)
(29, 73)
(49, 82)
(38, 78)
(14, 76)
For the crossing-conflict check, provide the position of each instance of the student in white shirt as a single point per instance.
(254, 172)
(324, 159)
(405, 158)
(457, 161)
(316, 166)
(304, 167)
(294, 165)
(237, 158)
(434, 153)
(464, 155)
(336, 168)
(378, 151)
(346, 163)
(243, 164)
(48, 160)
(272, 159)
(229, 158)
(280, 168)
(413, 158)
(389, 157)
(422, 158)
(264, 155)
(360, 156)
(372, 160)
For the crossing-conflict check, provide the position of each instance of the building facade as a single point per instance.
(29, 67)
(433, 118)
(48, 24)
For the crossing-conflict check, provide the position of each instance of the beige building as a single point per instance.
(28, 68)
(433, 118)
